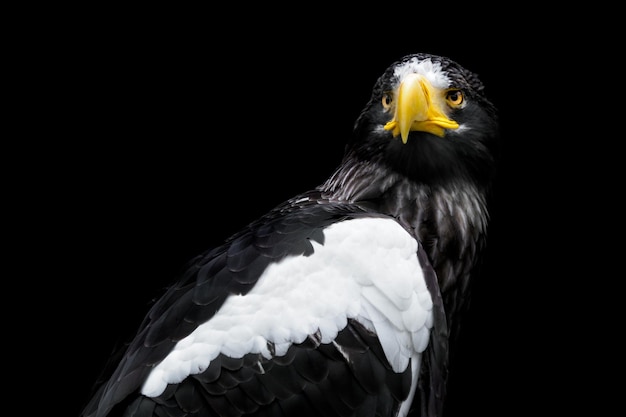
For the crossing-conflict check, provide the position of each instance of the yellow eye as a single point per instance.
(454, 98)
(387, 100)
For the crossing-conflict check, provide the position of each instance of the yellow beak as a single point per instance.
(419, 106)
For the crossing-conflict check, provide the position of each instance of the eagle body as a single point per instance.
(345, 300)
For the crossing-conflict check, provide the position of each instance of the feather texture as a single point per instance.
(345, 300)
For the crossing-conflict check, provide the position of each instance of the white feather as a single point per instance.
(366, 270)
(431, 70)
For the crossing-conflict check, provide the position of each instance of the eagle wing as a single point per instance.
(313, 309)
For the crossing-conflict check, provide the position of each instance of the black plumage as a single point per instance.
(429, 166)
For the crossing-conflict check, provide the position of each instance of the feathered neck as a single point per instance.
(449, 219)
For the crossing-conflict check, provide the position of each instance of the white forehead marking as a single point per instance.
(432, 71)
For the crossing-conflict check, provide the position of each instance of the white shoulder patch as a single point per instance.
(366, 270)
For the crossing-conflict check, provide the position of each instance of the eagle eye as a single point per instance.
(455, 98)
(387, 100)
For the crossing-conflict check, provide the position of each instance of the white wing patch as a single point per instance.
(366, 270)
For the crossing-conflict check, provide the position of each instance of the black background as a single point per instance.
(174, 130)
